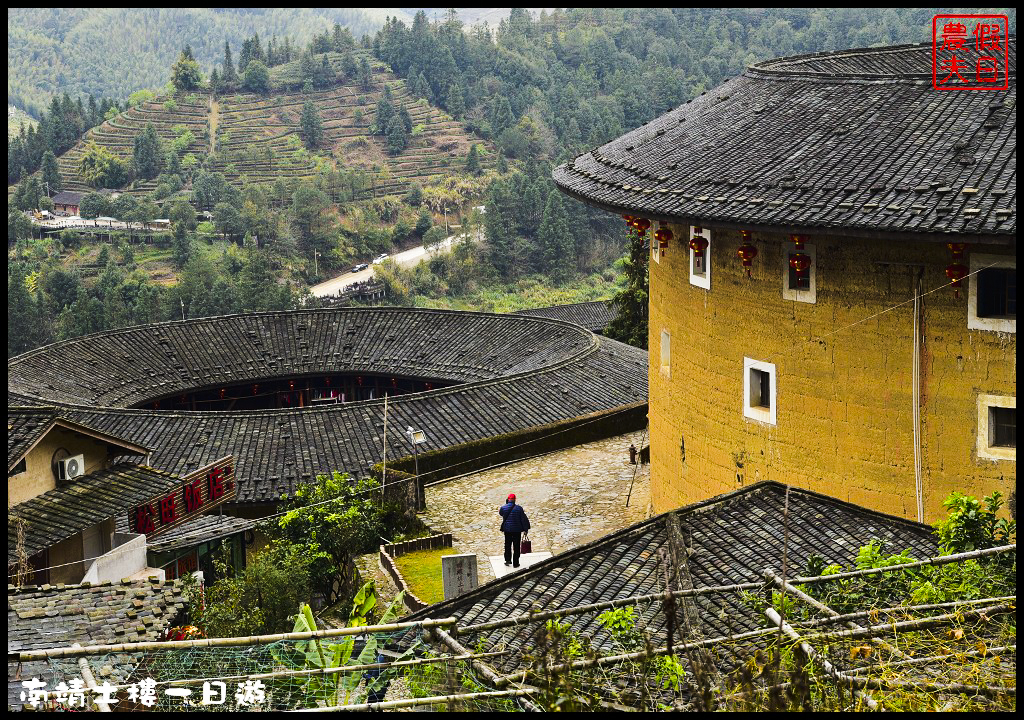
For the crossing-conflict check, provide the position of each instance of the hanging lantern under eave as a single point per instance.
(663, 236)
(957, 249)
(956, 273)
(800, 262)
(642, 225)
(698, 244)
(798, 241)
(747, 251)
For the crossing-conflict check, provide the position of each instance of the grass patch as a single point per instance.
(528, 293)
(422, 572)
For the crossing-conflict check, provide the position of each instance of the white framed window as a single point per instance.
(700, 268)
(800, 289)
(992, 293)
(759, 391)
(666, 354)
(997, 427)
(655, 251)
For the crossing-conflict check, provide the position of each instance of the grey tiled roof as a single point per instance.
(68, 197)
(593, 316)
(733, 539)
(857, 140)
(60, 513)
(516, 372)
(24, 427)
(54, 616)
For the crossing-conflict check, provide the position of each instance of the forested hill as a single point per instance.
(112, 52)
(561, 83)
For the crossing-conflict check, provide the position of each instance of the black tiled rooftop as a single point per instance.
(593, 316)
(64, 511)
(857, 140)
(516, 372)
(731, 539)
(24, 427)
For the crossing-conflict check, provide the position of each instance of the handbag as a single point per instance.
(526, 546)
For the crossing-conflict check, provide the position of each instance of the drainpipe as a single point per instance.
(918, 482)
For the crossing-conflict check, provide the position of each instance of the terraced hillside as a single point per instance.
(257, 137)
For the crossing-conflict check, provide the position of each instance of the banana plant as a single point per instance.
(340, 688)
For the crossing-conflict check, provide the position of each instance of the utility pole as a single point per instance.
(316, 270)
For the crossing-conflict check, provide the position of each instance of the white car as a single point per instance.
(380, 258)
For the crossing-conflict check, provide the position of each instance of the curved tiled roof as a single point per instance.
(515, 372)
(856, 140)
(593, 316)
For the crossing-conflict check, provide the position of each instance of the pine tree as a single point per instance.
(385, 112)
(51, 174)
(230, 76)
(365, 75)
(215, 82)
(257, 78)
(311, 128)
(398, 138)
(455, 102)
(473, 161)
(556, 241)
(147, 154)
(630, 304)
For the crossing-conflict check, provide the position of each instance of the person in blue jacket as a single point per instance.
(514, 523)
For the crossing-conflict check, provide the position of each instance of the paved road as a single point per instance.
(408, 258)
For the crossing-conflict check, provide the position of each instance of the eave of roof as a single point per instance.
(786, 147)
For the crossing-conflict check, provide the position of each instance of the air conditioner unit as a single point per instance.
(72, 467)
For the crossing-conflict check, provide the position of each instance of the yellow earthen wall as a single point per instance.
(38, 476)
(844, 395)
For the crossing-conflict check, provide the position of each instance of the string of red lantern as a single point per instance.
(957, 271)
(747, 251)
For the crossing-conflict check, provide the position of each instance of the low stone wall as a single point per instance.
(442, 464)
(389, 552)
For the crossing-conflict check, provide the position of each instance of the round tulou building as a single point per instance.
(832, 280)
(291, 395)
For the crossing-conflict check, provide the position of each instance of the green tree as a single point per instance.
(423, 222)
(147, 155)
(556, 241)
(51, 174)
(185, 75)
(229, 76)
(228, 220)
(94, 205)
(398, 137)
(630, 303)
(473, 161)
(257, 78)
(310, 126)
(101, 168)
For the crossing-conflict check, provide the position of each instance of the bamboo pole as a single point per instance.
(830, 669)
(414, 702)
(526, 618)
(224, 642)
(920, 624)
(315, 671)
(932, 658)
(943, 560)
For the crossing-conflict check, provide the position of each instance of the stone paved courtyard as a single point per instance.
(571, 496)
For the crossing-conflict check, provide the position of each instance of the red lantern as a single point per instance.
(222, 393)
(663, 236)
(956, 273)
(697, 242)
(798, 241)
(629, 219)
(800, 262)
(747, 251)
(642, 224)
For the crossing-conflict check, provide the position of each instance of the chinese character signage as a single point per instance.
(198, 493)
(970, 52)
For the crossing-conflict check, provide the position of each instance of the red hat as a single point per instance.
(511, 496)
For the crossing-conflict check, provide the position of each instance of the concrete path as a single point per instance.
(500, 569)
(571, 497)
